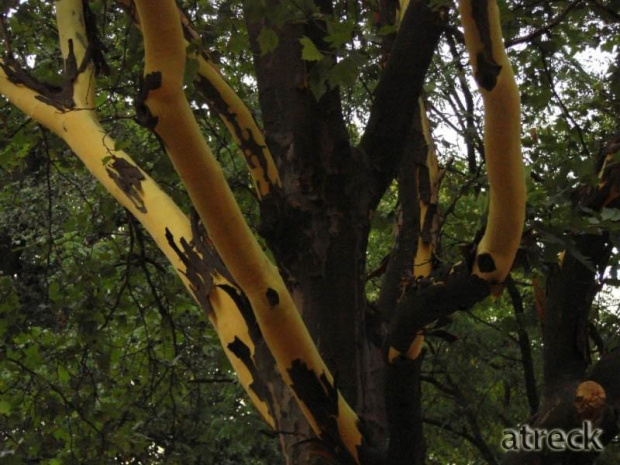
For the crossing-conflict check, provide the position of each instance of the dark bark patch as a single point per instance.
(272, 297)
(262, 354)
(201, 260)
(197, 270)
(97, 46)
(258, 385)
(129, 179)
(321, 398)
(487, 68)
(424, 188)
(144, 116)
(60, 97)
(487, 71)
(252, 150)
(202, 242)
(427, 229)
(245, 307)
(316, 392)
(486, 263)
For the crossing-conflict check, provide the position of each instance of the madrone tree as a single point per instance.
(335, 373)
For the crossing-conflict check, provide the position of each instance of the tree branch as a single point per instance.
(76, 51)
(196, 263)
(235, 115)
(571, 287)
(168, 113)
(524, 346)
(396, 94)
(546, 28)
(502, 139)
(402, 256)
(418, 191)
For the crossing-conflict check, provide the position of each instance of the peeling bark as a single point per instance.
(129, 179)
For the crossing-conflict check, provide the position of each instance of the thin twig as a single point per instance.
(546, 28)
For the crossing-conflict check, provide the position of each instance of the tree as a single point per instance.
(323, 323)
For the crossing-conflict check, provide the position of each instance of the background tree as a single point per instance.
(105, 360)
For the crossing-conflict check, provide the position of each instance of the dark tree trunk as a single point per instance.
(317, 224)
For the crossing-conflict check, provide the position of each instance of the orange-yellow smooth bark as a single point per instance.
(80, 129)
(280, 322)
(502, 142)
(237, 117)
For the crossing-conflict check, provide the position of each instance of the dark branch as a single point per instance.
(396, 94)
(546, 28)
(524, 346)
(571, 287)
(402, 256)
(427, 300)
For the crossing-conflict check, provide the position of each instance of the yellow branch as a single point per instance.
(423, 262)
(243, 128)
(144, 199)
(233, 112)
(283, 329)
(424, 253)
(72, 30)
(25, 99)
(402, 8)
(155, 210)
(502, 139)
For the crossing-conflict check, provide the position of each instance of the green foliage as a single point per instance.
(267, 40)
(309, 51)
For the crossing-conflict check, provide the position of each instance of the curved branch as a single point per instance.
(502, 139)
(235, 115)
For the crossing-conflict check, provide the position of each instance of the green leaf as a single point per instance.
(309, 52)
(63, 374)
(267, 40)
(344, 73)
(191, 71)
(340, 33)
(318, 88)
(317, 78)
(387, 30)
(120, 145)
(5, 407)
